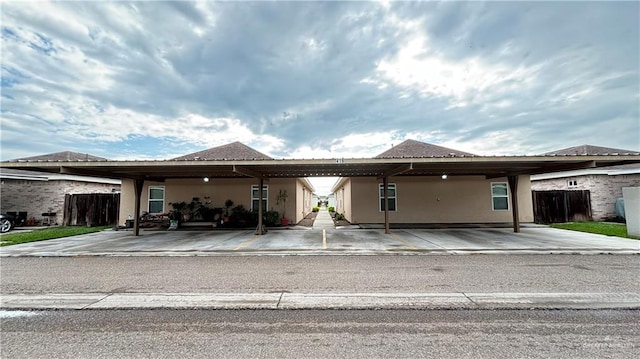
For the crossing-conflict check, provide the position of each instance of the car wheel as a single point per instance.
(5, 225)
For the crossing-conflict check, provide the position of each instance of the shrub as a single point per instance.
(241, 217)
(340, 217)
(316, 209)
(271, 218)
(331, 209)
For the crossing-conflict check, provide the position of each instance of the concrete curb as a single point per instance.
(329, 252)
(284, 301)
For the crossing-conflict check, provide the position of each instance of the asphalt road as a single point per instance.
(320, 274)
(321, 334)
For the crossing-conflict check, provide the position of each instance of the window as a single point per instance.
(156, 199)
(391, 196)
(500, 196)
(572, 183)
(255, 197)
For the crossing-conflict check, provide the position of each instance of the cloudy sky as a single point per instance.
(155, 80)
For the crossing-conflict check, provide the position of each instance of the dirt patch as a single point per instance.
(308, 220)
(339, 222)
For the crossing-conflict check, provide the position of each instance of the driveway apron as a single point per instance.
(327, 241)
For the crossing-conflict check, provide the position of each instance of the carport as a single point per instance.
(381, 168)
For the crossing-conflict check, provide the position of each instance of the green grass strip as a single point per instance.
(608, 229)
(17, 236)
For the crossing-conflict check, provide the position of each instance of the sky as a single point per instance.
(157, 80)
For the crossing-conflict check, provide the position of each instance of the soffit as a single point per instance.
(368, 167)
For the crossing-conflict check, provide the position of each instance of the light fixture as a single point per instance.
(444, 176)
(206, 179)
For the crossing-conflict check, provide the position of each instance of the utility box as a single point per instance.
(631, 197)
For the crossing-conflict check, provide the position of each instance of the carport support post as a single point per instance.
(137, 185)
(513, 188)
(385, 184)
(260, 194)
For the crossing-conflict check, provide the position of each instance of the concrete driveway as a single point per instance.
(535, 240)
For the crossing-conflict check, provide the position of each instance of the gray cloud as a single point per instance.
(299, 78)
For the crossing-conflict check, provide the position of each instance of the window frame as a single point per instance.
(161, 200)
(493, 196)
(265, 199)
(389, 198)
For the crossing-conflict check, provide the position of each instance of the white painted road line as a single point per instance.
(283, 300)
(324, 239)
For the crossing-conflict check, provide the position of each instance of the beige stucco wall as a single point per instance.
(604, 190)
(218, 191)
(303, 200)
(299, 200)
(343, 198)
(433, 200)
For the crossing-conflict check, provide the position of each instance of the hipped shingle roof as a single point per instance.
(232, 151)
(417, 149)
(63, 156)
(588, 150)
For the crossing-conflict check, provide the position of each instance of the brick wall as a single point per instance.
(607, 189)
(604, 190)
(37, 197)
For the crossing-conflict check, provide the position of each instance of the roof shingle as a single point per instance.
(589, 150)
(63, 156)
(417, 149)
(232, 151)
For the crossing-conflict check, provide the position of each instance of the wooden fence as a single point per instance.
(91, 209)
(561, 206)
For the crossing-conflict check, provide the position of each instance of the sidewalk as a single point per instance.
(285, 300)
(323, 220)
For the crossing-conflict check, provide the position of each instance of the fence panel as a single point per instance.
(91, 209)
(561, 206)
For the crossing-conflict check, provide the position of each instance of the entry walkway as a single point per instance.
(323, 220)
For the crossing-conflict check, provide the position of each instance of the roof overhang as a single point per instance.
(490, 167)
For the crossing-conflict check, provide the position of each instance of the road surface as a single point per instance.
(322, 274)
(322, 334)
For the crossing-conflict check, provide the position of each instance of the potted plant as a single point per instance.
(190, 209)
(281, 200)
(175, 215)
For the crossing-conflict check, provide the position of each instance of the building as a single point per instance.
(156, 196)
(30, 194)
(425, 183)
(331, 200)
(604, 183)
(441, 196)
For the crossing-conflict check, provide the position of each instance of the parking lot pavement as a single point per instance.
(504, 239)
(327, 242)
